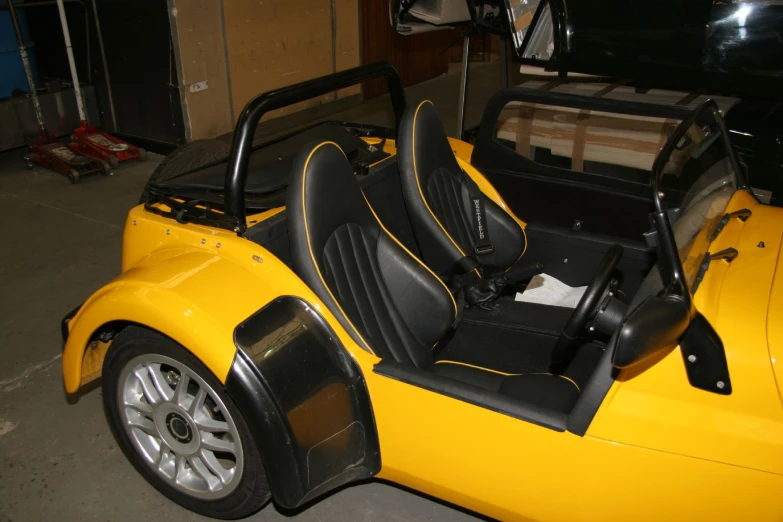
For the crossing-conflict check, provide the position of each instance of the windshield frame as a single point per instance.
(706, 107)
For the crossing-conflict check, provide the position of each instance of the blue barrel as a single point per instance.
(12, 74)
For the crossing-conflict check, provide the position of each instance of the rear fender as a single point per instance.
(280, 359)
(195, 297)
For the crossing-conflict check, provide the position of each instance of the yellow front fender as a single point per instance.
(194, 296)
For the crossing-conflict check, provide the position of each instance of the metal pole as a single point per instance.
(504, 63)
(26, 63)
(74, 75)
(105, 66)
(463, 85)
(86, 26)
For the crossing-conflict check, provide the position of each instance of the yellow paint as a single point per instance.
(514, 470)
(192, 291)
(658, 449)
(92, 362)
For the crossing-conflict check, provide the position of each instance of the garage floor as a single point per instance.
(59, 243)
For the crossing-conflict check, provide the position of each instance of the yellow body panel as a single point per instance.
(514, 470)
(657, 448)
(192, 283)
(656, 441)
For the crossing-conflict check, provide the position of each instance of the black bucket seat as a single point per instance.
(388, 301)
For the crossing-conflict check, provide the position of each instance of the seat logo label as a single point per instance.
(479, 213)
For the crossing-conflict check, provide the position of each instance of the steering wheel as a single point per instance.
(586, 308)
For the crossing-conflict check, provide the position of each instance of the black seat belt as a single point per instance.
(467, 272)
(484, 250)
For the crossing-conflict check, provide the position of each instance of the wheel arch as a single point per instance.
(314, 435)
(305, 399)
(195, 297)
(117, 306)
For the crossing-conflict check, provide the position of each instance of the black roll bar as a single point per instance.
(242, 142)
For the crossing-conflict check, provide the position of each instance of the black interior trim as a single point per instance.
(593, 394)
(472, 394)
(592, 241)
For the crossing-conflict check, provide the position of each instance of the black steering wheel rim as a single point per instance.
(562, 353)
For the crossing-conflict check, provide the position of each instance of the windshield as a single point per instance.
(696, 178)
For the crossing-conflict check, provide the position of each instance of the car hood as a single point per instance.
(743, 300)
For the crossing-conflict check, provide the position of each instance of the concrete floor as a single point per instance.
(58, 244)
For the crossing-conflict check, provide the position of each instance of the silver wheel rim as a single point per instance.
(180, 427)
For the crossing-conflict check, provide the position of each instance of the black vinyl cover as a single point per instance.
(268, 169)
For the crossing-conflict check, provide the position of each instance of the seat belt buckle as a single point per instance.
(483, 250)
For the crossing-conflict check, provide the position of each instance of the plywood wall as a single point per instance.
(197, 30)
(275, 43)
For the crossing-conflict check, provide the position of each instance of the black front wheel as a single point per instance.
(179, 428)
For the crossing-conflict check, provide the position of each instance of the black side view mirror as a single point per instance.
(655, 325)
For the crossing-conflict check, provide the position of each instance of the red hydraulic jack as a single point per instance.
(44, 149)
(86, 139)
(53, 154)
(90, 141)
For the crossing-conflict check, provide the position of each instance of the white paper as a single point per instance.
(545, 289)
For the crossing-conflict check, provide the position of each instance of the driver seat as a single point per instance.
(389, 302)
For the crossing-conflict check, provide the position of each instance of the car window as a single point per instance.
(696, 181)
(605, 144)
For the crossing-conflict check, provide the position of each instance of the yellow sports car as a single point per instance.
(351, 302)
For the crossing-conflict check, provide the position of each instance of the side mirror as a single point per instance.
(655, 325)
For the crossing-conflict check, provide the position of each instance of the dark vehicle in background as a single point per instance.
(712, 47)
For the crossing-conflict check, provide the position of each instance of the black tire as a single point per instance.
(186, 158)
(73, 176)
(252, 491)
(113, 161)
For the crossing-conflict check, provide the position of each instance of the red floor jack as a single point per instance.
(86, 139)
(46, 150)
(53, 154)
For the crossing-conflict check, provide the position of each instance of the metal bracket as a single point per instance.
(742, 215)
(728, 254)
(705, 358)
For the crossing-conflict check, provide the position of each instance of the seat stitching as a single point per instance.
(507, 374)
(448, 210)
(346, 289)
(310, 248)
(416, 177)
(366, 311)
(439, 186)
(478, 368)
(561, 376)
(388, 330)
(437, 197)
(467, 227)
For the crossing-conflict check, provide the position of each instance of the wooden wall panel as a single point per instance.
(347, 50)
(276, 43)
(198, 32)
